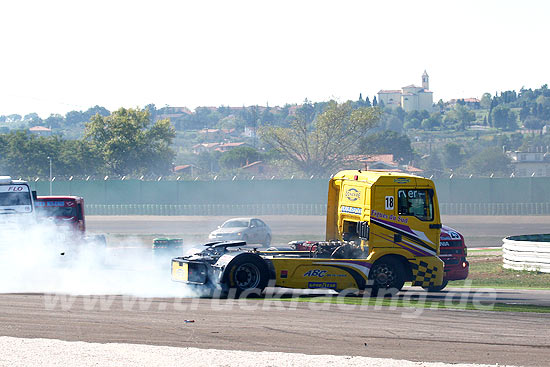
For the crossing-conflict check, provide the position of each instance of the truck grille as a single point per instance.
(450, 260)
(450, 251)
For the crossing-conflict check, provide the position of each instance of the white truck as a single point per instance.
(16, 197)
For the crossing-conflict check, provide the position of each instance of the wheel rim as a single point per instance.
(247, 276)
(384, 275)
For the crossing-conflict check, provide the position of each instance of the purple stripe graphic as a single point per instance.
(414, 250)
(402, 227)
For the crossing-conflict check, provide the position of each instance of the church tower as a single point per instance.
(425, 81)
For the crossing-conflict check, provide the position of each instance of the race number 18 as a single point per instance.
(389, 203)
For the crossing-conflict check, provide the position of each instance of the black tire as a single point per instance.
(439, 288)
(267, 241)
(101, 239)
(247, 274)
(387, 275)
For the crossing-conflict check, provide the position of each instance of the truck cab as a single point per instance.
(393, 210)
(16, 197)
(396, 210)
(64, 210)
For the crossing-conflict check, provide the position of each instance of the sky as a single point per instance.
(58, 56)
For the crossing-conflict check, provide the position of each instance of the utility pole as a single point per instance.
(50, 159)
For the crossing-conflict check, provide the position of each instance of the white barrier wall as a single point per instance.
(527, 252)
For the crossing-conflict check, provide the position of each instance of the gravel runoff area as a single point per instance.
(52, 352)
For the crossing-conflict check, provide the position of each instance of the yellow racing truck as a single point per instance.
(382, 230)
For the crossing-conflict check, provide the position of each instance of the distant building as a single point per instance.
(473, 103)
(41, 130)
(186, 169)
(528, 164)
(411, 97)
(221, 147)
(260, 169)
(224, 147)
(173, 113)
(204, 147)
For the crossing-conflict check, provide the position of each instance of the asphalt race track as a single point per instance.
(479, 231)
(453, 336)
(250, 325)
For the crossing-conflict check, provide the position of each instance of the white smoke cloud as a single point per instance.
(37, 256)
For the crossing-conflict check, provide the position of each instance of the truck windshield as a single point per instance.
(417, 203)
(15, 198)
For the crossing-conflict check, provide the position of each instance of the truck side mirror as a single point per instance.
(363, 230)
(34, 195)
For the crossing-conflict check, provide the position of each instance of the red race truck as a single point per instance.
(453, 252)
(67, 211)
(64, 210)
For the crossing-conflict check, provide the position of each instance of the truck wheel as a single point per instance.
(388, 276)
(267, 240)
(437, 289)
(249, 274)
(101, 239)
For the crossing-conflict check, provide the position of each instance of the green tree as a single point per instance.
(464, 115)
(209, 161)
(14, 118)
(75, 117)
(388, 142)
(533, 123)
(33, 118)
(433, 166)
(490, 160)
(239, 157)
(25, 155)
(524, 112)
(504, 118)
(130, 143)
(400, 113)
(485, 101)
(452, 155)
(55, 120)
(432, 122)
(412, 123)
(320, 146)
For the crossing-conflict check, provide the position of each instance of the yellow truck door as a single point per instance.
(406, 217)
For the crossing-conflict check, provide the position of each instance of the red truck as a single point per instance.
(453, 252)
(64, 210)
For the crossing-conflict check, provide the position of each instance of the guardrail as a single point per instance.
(303, 209)
(527, 252)
(495, 208)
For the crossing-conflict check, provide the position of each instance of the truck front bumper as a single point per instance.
(457, 271)
(189, 271)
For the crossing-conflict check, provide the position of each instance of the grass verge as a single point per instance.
(420, 303)
(486, 271)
